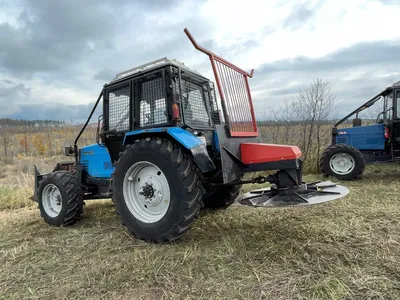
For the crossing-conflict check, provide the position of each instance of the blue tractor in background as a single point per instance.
(164, 151)
(353, 147)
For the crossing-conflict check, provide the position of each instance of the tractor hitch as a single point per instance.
(256, 180)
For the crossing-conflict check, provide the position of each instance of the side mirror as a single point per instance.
(357, 122)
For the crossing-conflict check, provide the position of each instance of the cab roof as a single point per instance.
(150, 66)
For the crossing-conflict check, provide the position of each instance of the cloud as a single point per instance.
(301, 14)
(356, 74)
(10, 94)
(104, 74)
(57, 54)
(52, 35)
(75, 114)
(362, 54)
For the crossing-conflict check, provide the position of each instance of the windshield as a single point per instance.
(398, 105)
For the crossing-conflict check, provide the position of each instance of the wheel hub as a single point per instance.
(146, 192)
(342, 163)
(51, 200)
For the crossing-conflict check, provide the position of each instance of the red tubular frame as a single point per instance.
(234, 91)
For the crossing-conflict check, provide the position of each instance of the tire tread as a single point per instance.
(188, 174)
(336, 148)
(73, 190)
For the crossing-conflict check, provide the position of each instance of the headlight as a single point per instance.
(69, 150)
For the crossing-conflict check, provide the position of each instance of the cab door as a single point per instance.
(396, 116)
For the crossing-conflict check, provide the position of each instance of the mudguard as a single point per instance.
(232, 165)
(184, 138)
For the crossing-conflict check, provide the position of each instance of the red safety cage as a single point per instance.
(234, 91)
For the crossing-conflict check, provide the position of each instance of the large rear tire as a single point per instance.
(221, 197)
(342, 161)
(60, 198)
(157, 190)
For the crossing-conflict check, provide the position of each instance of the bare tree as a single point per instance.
(5, 138)
(313, 106)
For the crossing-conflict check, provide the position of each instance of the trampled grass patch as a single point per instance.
(345, 249)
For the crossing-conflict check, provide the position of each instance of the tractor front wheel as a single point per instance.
(157, 190)
(342, 161)
(60, 198)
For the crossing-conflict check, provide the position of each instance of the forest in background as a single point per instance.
(305, 121)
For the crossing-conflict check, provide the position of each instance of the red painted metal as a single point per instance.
(252, 153)
(387, 133)
(175, 112)
(234, 91)
(244, 134)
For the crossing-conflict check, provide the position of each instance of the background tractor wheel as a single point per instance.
(221, 196)
(157, 190)
(60, 198)
(342, 161)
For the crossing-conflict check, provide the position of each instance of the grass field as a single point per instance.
(345, 249)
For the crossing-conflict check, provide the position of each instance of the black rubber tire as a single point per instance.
(221, 197)
(71, 198)
(185, 187)
(338, 148)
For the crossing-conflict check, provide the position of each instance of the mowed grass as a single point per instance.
(345, 249)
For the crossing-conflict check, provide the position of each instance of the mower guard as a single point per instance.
(305, 194)
(248, 154)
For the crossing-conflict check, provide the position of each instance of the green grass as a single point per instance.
(345, 249)
(12, 197)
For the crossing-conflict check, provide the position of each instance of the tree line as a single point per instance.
(304, 121)
(10, 123)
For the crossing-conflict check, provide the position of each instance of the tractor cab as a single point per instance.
(366, 141)
(392, 119)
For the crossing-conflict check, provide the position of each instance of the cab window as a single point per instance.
(397, 105)
(389, 107)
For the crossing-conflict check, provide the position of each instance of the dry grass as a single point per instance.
(346, 249)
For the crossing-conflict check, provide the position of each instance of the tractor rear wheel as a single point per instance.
(157, 190)
(221, 197)
(342, 161)
(60, 198)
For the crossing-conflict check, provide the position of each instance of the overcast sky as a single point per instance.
(56, 55)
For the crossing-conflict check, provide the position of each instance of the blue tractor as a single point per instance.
(164, 151)
(353, 147)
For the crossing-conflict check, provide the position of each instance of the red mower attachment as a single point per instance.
(241, 151)
(263, 153)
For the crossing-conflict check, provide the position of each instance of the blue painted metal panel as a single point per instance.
(371, 137)
(96, 161)
(184, 137)
(216, 142)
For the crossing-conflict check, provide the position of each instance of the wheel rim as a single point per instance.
(51, 200)
(146, 192)
(342, 163)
